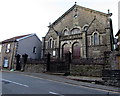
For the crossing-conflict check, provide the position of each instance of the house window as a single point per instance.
(66, 32)
(34, 50)
(53, 44)
(96, 39)
(85, 28)
(6, 63)
(8, 48)
(54, 53)
(50, 43)
(75, 31)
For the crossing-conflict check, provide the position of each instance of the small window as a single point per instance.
(34, 50)
(66, 32)
(85, 28)
(75, 16)
(6, 63)
(8, 48)
(54, 53)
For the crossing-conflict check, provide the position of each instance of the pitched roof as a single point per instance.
(15, 39)
(118, 33)
(73, 8)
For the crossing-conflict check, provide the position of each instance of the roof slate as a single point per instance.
(13, 39)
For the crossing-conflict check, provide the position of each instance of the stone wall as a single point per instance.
(86, 70)
(35, 66)
(114, 60)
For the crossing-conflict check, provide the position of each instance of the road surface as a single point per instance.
(15, 83)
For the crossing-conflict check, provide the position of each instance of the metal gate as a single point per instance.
(58, 66)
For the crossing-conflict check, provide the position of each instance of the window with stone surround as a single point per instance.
(8, 48)
(75, 31)
(95, 38)
(66, 32)
(51, 43)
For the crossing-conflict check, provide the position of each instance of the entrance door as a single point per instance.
(76, 51)
(65, 49)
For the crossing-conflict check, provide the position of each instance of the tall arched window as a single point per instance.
(65, 49)
(96, 39)
(76, 51)
(75, 31)
(50, 43)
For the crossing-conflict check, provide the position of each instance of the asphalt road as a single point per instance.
(14, 83)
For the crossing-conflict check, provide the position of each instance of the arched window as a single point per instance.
(66, 32)
(96, 39)
(50, 43)
(65, 49)
(76, 51)
(85, 28)
(75, 31)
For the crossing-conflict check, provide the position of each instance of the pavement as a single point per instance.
(73, 80)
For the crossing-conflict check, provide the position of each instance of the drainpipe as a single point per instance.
(112, 42)
(13, 56)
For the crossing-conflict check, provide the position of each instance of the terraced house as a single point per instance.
(84, 32)
(28, 44)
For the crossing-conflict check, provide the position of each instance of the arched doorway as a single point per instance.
(65, 49)
(76, 50)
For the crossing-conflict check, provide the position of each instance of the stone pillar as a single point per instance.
(84, 45)
(43, 47)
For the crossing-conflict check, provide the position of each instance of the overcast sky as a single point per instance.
(19, 17)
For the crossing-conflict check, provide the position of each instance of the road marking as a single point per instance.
(55, 93)
(15, 83)
(99, 89)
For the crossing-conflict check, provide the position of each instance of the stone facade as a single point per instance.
(8, 56)
(0, 58)
(84, 32)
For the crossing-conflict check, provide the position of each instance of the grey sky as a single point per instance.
(20, 17)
